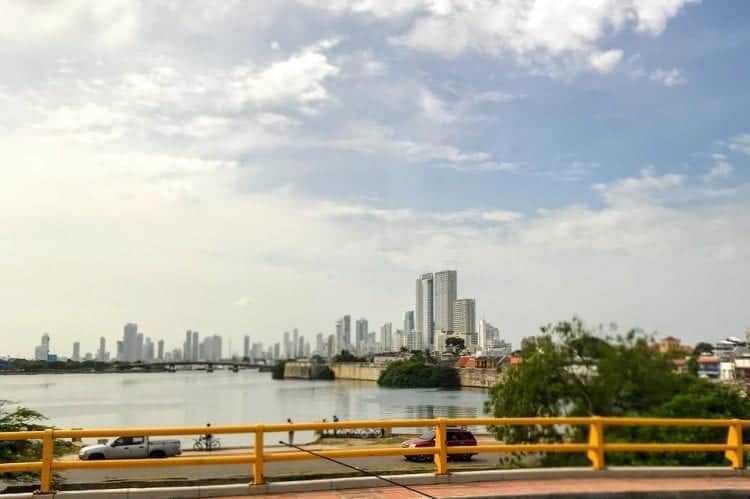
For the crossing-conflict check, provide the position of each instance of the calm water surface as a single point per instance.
(196, 398)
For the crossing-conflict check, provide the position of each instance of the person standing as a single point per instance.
(291, 432)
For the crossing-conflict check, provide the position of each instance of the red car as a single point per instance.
(455, 436)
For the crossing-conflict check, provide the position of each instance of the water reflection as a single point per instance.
(196, 398)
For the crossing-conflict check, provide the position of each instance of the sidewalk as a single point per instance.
(707, 488)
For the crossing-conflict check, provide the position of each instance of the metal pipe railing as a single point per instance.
(595, 448)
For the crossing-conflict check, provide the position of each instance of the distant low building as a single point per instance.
(709, 367)
(670, 344)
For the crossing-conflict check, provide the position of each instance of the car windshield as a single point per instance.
(428, 435)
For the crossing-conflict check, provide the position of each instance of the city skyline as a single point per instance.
(454, 316)
(233, 171)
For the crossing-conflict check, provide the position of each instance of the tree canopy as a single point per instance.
(570, 370)
(416, 372)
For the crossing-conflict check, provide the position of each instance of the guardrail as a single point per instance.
(595, 448)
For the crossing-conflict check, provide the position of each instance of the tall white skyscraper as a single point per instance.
(464, 319)
(319, 344)
(386, 336)
(423, 317)
(76, 357)
(130, 342)
(295, 344)
(187, 346)
(445, 287)
(101, 354)
(287, 345)
(361, 335)
(488, 336)
(344, 333)
(195, 346)
(147, 349)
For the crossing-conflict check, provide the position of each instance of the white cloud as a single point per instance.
(638, 190)
(531, 31)
(104, 24)
(371, 138)
(669, 77)
(740, 143)
(177, 230)
(300, 78)
(434, 108)
(721, 169)
(605, 62)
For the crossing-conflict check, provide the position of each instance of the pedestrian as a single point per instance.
(335, 420)
(291, 432)
(208, 438)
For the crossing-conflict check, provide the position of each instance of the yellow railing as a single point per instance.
(595, 448)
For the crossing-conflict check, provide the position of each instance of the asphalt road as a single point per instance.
(281, 470)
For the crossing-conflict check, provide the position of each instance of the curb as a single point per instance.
(206, 491)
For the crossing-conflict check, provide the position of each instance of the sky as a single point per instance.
(247, 167)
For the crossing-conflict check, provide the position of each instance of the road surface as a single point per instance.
(281, 470)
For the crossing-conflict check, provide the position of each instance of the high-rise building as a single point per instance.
(386, 337)
(320, 344)
(344, 333)
(101, 354)
(246, 347)
(187, 346)
(445, 287)
(306, 350)
(76, 357)
(464, 319)
(130, 342)
(487, 335)
(276, 351)
(408, 321)
(331, 346)
(361, 329)
(301, 347)
(195, 346)
(287, 346)
(295, 344)
(147, 350)
(423, 317)
(120, 355)
(399, 340)
(160, 350)
(139, 351)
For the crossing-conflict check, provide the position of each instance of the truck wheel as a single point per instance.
(96, 457)
(157, 454)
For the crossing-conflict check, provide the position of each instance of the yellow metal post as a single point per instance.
(734, 440)
(596, 443)
(258, 478)
(441, 442)
(48, 447)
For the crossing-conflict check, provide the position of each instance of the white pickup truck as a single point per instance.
(131, 448)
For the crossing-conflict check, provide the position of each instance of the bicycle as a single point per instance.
(206, 442)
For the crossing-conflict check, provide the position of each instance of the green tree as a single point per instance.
(347, 356)
(455, 344)
(571, 371)
(703, 347)
(417, 373)
(23, 419)
(277, 371)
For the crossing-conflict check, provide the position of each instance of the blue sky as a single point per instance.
(251, 167)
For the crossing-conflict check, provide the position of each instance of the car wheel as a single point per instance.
(157, 454)
(96, 457)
